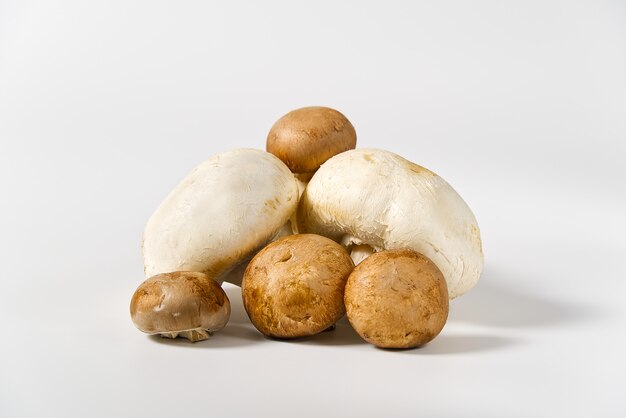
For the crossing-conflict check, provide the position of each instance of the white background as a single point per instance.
(105, 106)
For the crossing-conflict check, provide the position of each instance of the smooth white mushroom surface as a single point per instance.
(370, 200)
(220, 215)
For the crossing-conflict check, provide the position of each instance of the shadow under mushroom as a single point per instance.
(342, 335)
(461, 344)
(232, 335)
(493, 303)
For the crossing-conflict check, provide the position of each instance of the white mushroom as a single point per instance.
(370, 200)
(220, 215)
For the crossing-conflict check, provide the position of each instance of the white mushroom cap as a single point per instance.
(220, 215)
(375, 198)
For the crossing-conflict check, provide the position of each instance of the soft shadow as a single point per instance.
(232, 335)
(343, 334)
(461, 344)
(240, 324)
(492, 303)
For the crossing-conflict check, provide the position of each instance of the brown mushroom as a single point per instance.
(397, 299)
(294, 286)
(180, 304)
(305, 138)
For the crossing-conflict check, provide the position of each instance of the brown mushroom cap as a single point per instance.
(305, 138)
(397, 299)
(182, 303)
(294, 286)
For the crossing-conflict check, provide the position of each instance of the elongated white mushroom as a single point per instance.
(370, 200)
(220, 215)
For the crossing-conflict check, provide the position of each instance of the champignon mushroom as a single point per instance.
(294, 286)
(220, 215)
(305, 138)
(180, 304)
(371, 200)
(397, 299)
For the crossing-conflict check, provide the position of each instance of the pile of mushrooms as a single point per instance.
(290, 224)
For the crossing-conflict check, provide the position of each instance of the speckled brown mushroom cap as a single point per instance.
(294, 286)
(305, 138)
(183, 303)
(397, 299)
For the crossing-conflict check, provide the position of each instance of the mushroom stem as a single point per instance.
(302, 179)
(192, 335)
(293, 223)
(361, 252)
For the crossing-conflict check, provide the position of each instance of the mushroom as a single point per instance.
(180, 304)
(371, 200)
(305, 138)
(397, 299)
(220, 215)
(294, 286)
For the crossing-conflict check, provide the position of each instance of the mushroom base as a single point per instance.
(303, 180)
(192, 335)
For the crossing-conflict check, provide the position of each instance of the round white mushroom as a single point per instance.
(220, 215)
(371, 200)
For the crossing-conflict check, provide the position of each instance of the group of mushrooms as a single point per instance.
(289, 225)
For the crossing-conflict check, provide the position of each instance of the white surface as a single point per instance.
(520, 107)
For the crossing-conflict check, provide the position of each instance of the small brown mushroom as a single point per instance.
(305, 138)
(397, 299)
(294, 286)
(180, 304)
